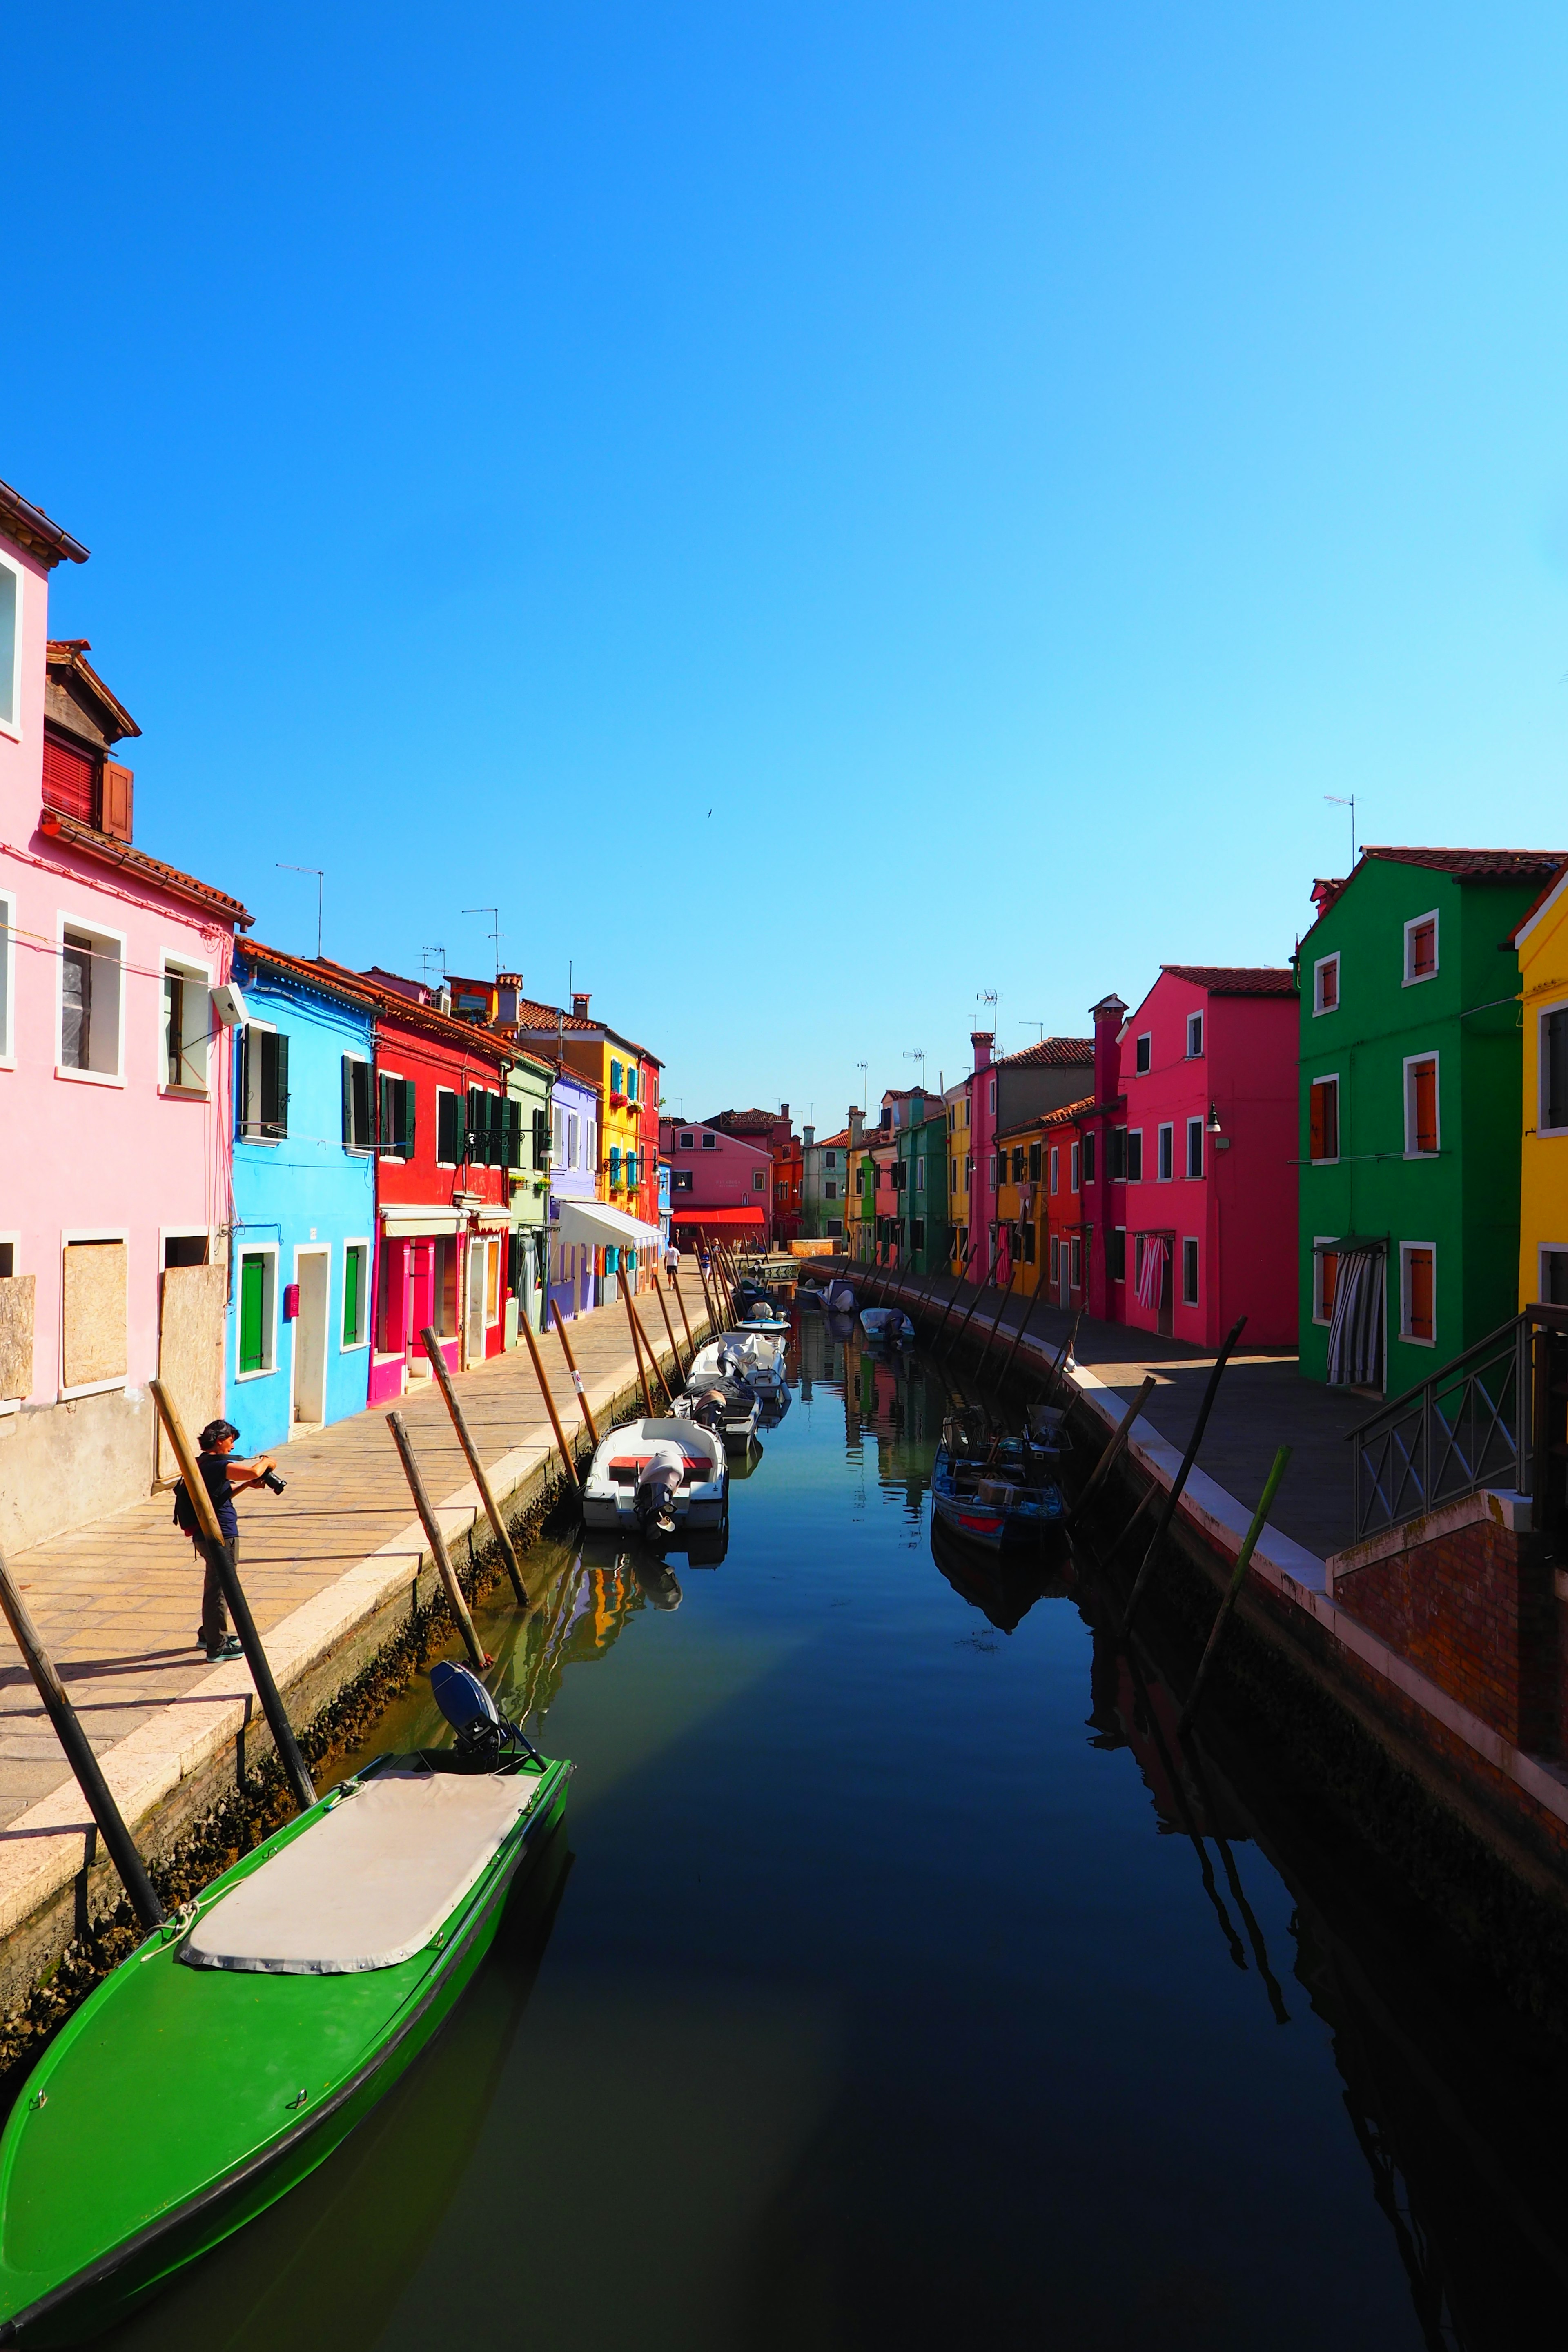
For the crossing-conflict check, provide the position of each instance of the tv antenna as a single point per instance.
(1338, 800)
(496, 934)
(284, 867)
(917, 1054)
(424, 955)
(1039, 1029)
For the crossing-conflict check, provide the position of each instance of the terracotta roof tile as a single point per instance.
(1236, 980)
(1481, 864)
(68, 653)
(30, 526)
(55, 825)
(1051, 1053)
(1062, 1117)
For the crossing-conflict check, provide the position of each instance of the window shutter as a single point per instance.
(384, 1120)
(241, 1080)
(280, 1085)
(67, 781)
(117, 799)
(1426, 1106)
(448, 1138)
(362, 1120)
(405, 1118)
(350, 1139)
(541, 1139)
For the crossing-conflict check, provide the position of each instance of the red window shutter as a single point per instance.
(1420, 1276)
(1425, 1076)
(68, 780)
(117, 798)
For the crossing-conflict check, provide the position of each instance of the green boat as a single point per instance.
(229, 2055)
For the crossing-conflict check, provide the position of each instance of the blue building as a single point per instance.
(304, 1201)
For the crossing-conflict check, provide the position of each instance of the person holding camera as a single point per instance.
(222, 1477)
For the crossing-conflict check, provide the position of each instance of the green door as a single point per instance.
(252, 1301)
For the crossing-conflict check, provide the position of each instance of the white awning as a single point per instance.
(408, 1221)
(598, 1226)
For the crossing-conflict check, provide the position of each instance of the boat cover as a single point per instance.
(368, 1884)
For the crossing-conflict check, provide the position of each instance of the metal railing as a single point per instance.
(1495, 1416)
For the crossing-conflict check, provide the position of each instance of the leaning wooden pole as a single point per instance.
(996, 1326)
(568, 1464)
(1027, 1316)
(1233, 1591)
(952, 1294)
(1112, 1448)
(432, 1346)
(673, 1348)
(576, 1376)
(706, 1301)
(637, 1351)
(118, 1841)
(981, 1289)
(1054, 1373)
(222, 1558)
(647, 1350)
(680, 1302)
(1157, 1540)
(437, 1543)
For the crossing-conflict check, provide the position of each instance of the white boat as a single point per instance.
(754, 1357)
(729, 1407)
(610, 1492)
(889, 1323)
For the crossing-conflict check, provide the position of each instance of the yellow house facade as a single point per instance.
(958, 1166)
(1541, 942)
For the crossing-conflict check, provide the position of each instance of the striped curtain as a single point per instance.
(1152, 1272)
(1355, 1334)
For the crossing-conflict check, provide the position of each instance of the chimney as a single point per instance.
(807, 1137)
(579, 1005)
(982, 1040)
(857, 1123)
(1108, 1016)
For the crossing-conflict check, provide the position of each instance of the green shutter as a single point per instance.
(350, 1138)
(354, 1261)
(252, 1300)
(405, 1118)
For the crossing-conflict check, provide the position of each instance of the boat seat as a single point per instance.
(625, 1468)
(368, 1884)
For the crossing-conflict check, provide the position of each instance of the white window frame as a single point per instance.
(1324, 1078)
(759, 1179)
(1411, 1063)
(1544, 1251)
(1075, 1262)
(1075, 1165)
(1416, 979)
(122, 1380)
(8, 979)
(1143, 1055)
(1056, 1168)
(242, 1105)
(1559, 1005)
(1190, 1241)
(354, 1242)
(13, 1241)
(920, 1175)
(1318, 968)
(168, 1233)
(461, 1099)
(1140, 1178)
(992, 1097)
(1165, 1151)
(830, 1159)
(1320, 1242)
(1195, 1020)
(1195, 1126)
(1406, 1250)
(96, 932)
(686, 1140)
(182, 966)
(12, 727)
(710, 1140)
(1054, 1263)
(242, 1250)
(365, 1150)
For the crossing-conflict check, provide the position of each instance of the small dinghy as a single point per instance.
(697, 1500)
(889, 1325)
(225, 2059)
(755, 1357)
(724, 1403)
(999, 1491)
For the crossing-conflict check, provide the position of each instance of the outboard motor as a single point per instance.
(653, 1504)
(481, 1730)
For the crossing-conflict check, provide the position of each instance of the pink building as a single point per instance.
(983, 1157)
(1208, 1074)
(720, 1184)
(115, 1085)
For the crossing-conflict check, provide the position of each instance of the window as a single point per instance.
(263, 1089)
(444, 1259)
(616, 1078)
(1019, 1156)
(449, 1126)
(709, 1142)
(631, 1082)
(89, 1001)
(1552, 1115)
(8, 971)
(1088, 1158)
(1420, 949)
(1324, 1120)
(1035, 1151)
(759, 1179)
(680, 1180)
(1325, 1278)
(1055, 1258)
(1116, 1156)
(1117, 1254)
(541, 1140)
(920, 1175)
(1075, 1278)
(1554, 1288)
(187, 1025)
(1420, 1105)
(686, 1140)
(1029, 1238)
(1165, 1152)
(917, 1233)
(1134, 1155)
(1189, 1272)
(356, 1289)
(992, 1092)
(632, 1172)
(1416, 1268)
(1194, 1036)
(94, 1290)
(358, 1128)
(830, 1159)
(1143, 1054)
(1074, 1159)
(258, 1311)
(1325, 984)
(70, 780)
(615, 1167)
(10, 645)
(1195, 1147)
(485, 1140)
(396, 1108)
(830, 1188)
(1055, 1166)
(572, 1138)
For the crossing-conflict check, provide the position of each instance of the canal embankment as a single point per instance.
(1415, 1712)
(344, 1592)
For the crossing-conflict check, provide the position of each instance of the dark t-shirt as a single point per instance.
(214, 1468)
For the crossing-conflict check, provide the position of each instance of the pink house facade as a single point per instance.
(718, 1184)
(983, 1157)
(115, 1085)
(1208, 1075)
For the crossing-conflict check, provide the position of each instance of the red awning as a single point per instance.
(715, 1217)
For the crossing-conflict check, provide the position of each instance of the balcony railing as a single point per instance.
(1495, 1416)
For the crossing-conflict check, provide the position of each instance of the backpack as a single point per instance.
(185, 1511)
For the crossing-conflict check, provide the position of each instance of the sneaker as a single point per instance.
(229, 1649)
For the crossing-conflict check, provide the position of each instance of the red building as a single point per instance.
(445, 1137)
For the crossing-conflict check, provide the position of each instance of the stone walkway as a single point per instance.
(117, 1602)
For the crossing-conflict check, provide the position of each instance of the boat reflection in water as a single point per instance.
(1003, 1585)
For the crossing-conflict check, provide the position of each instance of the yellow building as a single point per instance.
(1019, 1202)
(958, 1168)
(1542, 941)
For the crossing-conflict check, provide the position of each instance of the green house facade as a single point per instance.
(920, 1182)
(1410, 1093)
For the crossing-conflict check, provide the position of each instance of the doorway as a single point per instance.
(311, 1270)
(474, 1333)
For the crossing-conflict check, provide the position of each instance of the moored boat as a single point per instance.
(888, 1324)
(755, 1357)
(999, 1490)
(609, 1492)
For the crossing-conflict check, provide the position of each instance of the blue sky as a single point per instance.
(1007, 463)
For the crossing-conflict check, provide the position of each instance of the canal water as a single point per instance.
(889, 1985)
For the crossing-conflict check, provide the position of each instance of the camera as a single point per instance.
(271, 1478)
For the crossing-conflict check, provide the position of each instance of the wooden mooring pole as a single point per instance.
(990, 1336)
(477, 1656)
(685, 1318)
(118, 1841)
(567, 1464)
(674, 1349)
(636, 1351)
(952, 1295)
(432, 1346)
(1114, 1446)
(1025, 1320)
(218, 1552)
(981, 1289)
(576, 1375)
(1232, 1591)
(647, 1350)
(1168, 1510)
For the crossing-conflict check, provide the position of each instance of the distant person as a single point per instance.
(222, 1475)
(671, 1264)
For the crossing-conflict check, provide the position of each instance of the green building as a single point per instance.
(1410, 1086)
(919, 1181)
